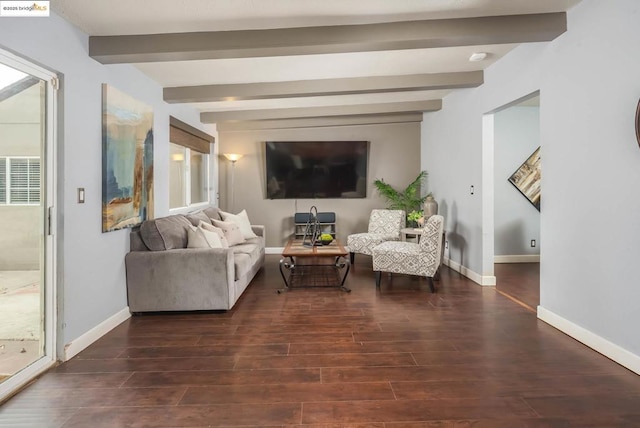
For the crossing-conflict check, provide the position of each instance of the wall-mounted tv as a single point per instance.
(316, 169)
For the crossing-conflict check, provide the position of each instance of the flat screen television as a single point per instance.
(316, 169)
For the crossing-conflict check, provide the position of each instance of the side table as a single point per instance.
(413, 233)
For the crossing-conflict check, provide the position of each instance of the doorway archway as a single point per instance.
(511, 221)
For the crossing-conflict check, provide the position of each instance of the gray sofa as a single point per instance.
(164, 275)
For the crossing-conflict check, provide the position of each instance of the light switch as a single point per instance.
(81, 195)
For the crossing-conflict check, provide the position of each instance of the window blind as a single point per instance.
(3, 180)
(23, 179)
(186, 135)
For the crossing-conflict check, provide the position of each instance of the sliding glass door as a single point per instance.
(27, 316)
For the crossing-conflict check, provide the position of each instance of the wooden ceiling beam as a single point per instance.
(341, 110)
(319, 122)
(327, 39)
(323, 87)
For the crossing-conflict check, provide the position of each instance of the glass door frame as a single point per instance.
(49, 227)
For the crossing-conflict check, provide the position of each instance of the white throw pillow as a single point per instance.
(242, 220)
(212, 238)
(211, 228)
(195, 239)
(199, 237)
(231, 231)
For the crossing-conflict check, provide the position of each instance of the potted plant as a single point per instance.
(407, 200)
(414, 218)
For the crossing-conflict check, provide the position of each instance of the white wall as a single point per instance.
(589, 87)
(517, 221)
(91, 265)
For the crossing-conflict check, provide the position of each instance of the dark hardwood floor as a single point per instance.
(519, 281)
(397, 357)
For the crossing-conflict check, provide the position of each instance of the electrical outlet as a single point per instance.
(446, 244)
(533, 242)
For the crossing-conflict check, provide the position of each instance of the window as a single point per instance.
(199, 176)
(188, 177)
(19, 181)
(188, 166)
(177, 180)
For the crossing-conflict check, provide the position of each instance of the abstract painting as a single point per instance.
(127, 160)
(638, 123)
(527, 178)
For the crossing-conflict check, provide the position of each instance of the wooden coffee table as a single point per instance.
(317, 266)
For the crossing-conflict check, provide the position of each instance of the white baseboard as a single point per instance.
(592, 340)
(80, 343)
(273, 250)
(485, 281)
(518, 258)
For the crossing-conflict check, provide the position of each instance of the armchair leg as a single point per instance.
(352, 257)
(431, 285)
(378, 275)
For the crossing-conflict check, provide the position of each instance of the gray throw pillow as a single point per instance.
(213, 213)
(198, 216)
(165, 233)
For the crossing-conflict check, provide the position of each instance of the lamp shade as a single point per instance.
(232, 156)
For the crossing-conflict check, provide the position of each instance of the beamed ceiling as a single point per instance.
(266, 64)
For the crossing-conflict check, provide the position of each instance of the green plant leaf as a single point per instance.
(407, 200)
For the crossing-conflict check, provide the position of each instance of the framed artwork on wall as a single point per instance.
(527, 178)
(127, 160)
(638, 123)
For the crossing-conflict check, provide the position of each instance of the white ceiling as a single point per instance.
(116, 17)
(126, 17)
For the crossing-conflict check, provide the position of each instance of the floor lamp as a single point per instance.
(233, 158)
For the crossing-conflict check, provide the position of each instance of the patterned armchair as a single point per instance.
(384, 225)
(410, 258)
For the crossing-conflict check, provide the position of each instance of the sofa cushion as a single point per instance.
(198, 216)
(241, 264)
(252, 250)
(213, 213)
(258, 240)
(231, 232)
(242, 220)
(165, 233)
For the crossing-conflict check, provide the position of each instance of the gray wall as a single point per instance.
(394, 155)
(591, 167)
(90, 264)
(517, 221)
